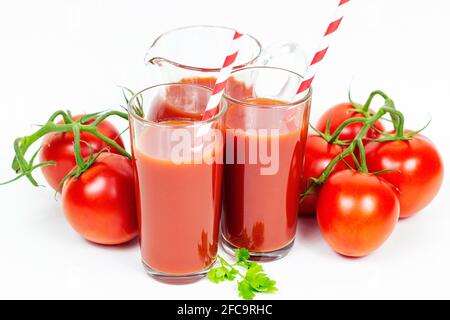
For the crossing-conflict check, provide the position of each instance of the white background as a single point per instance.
(73, 54)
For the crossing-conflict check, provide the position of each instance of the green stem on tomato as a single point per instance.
(64, 115)
(42, 164)
(368, 123)
(25, 142)
(372, 95)
(358, 141)
(399, 122)
(365, 111)
(77, 146)
(362, 156)
(123, 115)
(344, 124)
(22, 164)
(21, 145)
(113, 143)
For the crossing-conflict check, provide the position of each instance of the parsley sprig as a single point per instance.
(252, 282)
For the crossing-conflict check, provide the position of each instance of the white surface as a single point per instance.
(72, 54)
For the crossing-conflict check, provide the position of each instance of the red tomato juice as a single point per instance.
(178, 204)
(260, 211)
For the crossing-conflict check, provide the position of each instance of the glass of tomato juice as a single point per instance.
(266, 128)
(178, 164)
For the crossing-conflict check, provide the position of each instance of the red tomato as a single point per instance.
(356, 212)
(100, 203)
(318, 154)
(338, 115)
(58, 147)
(416, 170)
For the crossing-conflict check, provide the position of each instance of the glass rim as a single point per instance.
(192, 123)
(303, 99)
(204, 69)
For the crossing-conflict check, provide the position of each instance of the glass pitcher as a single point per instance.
(195, 54)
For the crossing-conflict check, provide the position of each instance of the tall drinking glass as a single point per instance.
(177, 160)
(266, 128)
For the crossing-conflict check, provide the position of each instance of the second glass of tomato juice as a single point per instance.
(266, 128)
(178, 163)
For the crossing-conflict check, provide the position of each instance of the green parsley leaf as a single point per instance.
(222, 273)
(217, 275)
(246, 264)
(242, 255)
(259, 280)
(254, 281)
(245, 290)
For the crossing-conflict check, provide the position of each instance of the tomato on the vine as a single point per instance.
(414, 167)
(356, 212)
(318, 155)
(100, 204)
(58, 147)
(344, 111)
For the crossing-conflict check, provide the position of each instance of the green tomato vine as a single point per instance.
(87, 123)
(368, 121)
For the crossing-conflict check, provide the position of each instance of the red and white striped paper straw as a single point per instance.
(219, 87)
(325, 44)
